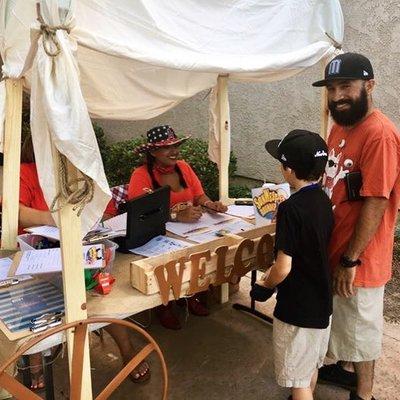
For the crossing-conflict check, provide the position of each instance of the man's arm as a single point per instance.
(279, 271)
(368, 221)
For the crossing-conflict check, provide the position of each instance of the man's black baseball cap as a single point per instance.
(301, 150)
(347, 66)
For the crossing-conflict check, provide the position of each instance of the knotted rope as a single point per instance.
(50, 40)
(335, 43)
(80, 196)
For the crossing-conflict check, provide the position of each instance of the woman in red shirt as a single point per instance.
(161, 168)
(33, 211)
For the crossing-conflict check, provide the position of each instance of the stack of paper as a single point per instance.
(241, 211)
(113, 227)
(233, 226)
(117, 223)
(206, 222)
(5, 264)
(49, 260)
(160, 245)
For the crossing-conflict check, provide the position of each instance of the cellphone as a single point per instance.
(353, 185)
(244, 202)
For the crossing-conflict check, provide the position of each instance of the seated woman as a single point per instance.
(33, 210)
(162, 167)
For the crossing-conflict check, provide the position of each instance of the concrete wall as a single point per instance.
(263, 111)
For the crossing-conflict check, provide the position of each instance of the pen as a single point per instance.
(196, 229)
(211, 210)
(47, 317)
(8, 282)
(41, 328)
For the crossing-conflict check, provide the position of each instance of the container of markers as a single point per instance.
(28, 241)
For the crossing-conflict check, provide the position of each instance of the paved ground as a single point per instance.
(225, 356)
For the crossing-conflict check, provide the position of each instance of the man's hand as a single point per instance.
(343, 279)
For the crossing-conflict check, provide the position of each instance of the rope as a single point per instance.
(335, 43)
(48, 32)
(70, 192)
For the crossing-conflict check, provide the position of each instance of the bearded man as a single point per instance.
(363, 172)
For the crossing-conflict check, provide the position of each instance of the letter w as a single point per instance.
(173, 280)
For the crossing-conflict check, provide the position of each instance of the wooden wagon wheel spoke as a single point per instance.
(135, 361)
(17, 389)
(23, 393)
(77, 361)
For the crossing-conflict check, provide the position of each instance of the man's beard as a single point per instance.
(357, 111)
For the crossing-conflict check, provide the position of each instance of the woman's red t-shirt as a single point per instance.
(141, 180)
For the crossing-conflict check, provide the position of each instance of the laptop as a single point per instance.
(146, 218)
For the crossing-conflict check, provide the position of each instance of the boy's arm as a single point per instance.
(279, 270)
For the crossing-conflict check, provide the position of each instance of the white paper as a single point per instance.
(232, 226)
(206, 222)
(5, 264)
(51, 232)
(49, 260)
(241, 211)
(160, 245)
(117, 223)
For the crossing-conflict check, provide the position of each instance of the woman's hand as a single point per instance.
(189, 214)
(216, 206)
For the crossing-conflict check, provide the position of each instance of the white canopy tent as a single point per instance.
(134, 60)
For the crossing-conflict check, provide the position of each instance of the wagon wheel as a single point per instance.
(21, 392)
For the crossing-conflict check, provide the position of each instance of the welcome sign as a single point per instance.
(194, 269)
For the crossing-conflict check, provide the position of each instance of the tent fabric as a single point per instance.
(136, 60)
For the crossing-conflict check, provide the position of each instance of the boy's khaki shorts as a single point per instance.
(298, 352)
(357, 326)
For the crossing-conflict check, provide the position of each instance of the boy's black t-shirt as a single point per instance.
(303, 229)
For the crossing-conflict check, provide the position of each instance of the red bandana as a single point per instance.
(166, 170)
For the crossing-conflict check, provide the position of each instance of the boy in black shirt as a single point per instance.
(304, 299)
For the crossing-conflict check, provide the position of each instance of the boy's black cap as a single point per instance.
(301, 150)
(347, 66)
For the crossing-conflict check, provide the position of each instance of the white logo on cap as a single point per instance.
(334, 67)
(283, 157)
(365, 73)
(321, 153)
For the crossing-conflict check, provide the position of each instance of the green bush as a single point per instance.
(120, 160)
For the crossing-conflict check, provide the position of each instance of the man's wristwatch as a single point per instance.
(347, 262)
(173, 215)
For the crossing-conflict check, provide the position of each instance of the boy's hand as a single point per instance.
(260, 292)
(262, 281)
(343, 279)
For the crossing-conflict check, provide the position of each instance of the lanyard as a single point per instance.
(309, 187)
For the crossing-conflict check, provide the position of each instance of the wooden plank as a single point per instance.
(73, 280)
(224, 135)
(12, 151)
(324, 112)
(142, 271)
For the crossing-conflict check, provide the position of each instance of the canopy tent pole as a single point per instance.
(73, 278)
(224, 137)
(224, 131)
(11, 170)
(324, 103)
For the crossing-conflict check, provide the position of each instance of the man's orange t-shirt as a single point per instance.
(373, 148)
(141, 180)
